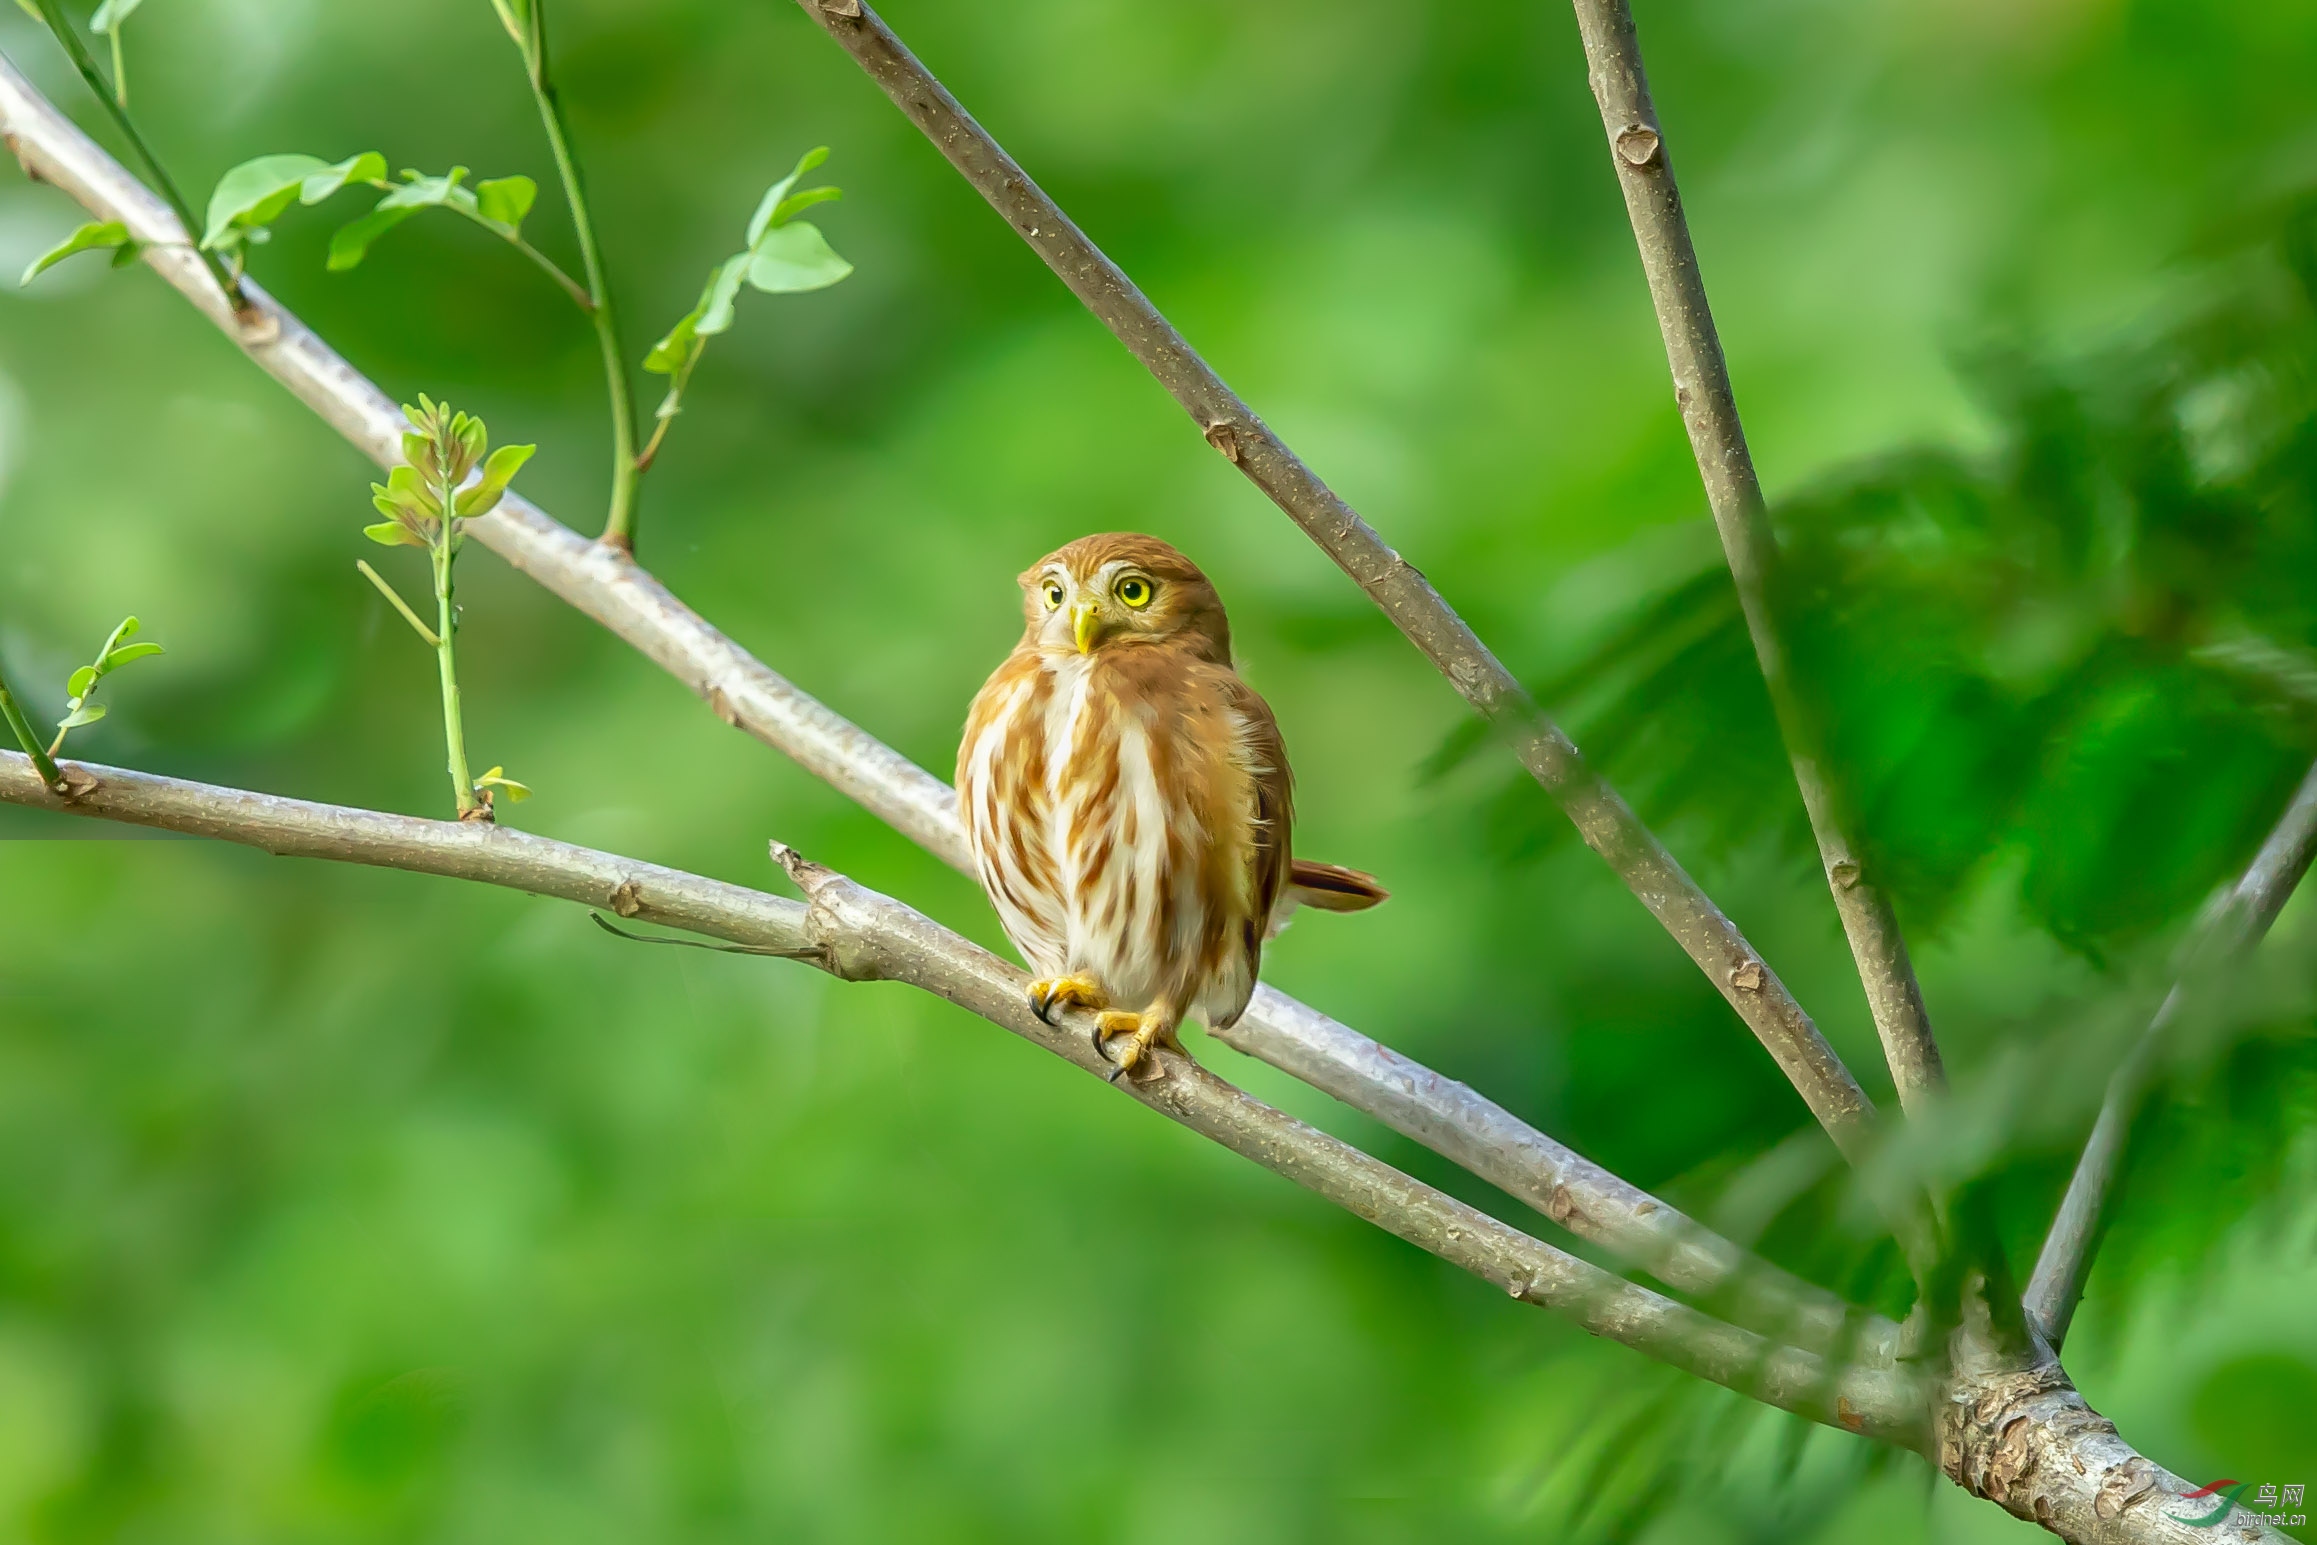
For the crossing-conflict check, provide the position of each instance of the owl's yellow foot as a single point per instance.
(1059, 992)
(1142, 1031)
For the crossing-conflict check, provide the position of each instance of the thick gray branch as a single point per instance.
(854, 933)
(1701, 385)
(2025, 1439)
(2235, 925)
(1601, 817)
(607, 586)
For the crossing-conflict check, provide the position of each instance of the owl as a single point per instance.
(1128, 800)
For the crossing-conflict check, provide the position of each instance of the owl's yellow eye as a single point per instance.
(1134, 590)
(1053, 594)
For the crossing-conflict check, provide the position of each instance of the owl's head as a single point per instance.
(1119, 590)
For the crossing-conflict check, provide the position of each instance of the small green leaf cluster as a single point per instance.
(82, 685)
(427, 501)
(439, 452)
(252, 196)
(782, 255)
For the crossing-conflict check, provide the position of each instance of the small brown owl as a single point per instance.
(1128, 798)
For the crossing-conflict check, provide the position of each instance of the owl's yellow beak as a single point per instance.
(1085, 620)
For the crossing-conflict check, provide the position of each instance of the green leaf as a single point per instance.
(93, 237)
(128, 629)
(506, 199)
(392, 533)
(110, 15)
(369, 166)
(498, 472)
(122, 656)
(352, 242)
(31, 10)
(87, 713)
(497, 778)
(769, 206)
(127, 252)
(254, 193)
(793, 258)
(797, 203)
(77, 686)
(712, 315)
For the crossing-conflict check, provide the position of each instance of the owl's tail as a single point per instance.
(1332, 888)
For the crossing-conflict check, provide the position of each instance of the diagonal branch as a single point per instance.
(858, 935)
(1608, 826)
(2225, 933)
(1440, 1113)
(1701, 385)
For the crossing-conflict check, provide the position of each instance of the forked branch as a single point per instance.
(1608, 826)
(1438, 1112)
(1709, 409)
(854, 933)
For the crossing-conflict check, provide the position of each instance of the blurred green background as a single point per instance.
(340, 1205)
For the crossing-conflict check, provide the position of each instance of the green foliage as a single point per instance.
(781, 255)
(250, 197)
(81, 687)
(2089, 648)
(96, 236)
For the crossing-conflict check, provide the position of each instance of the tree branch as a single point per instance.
(2225, 933)
(854, 933)
(1444, 1115)
(1709, 408)
(1608, 826)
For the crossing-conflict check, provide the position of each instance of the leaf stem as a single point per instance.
(394, 598)
(53, 14)
(21, 728)
(514, 238)
(120, 70)
(443, 553)
(671, 406)
(619, 526)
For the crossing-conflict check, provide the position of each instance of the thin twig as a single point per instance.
(118, 110)
(858, 935)
(1701, 380)
(1444, 1115)
(1608, 826)
(394, 598)
(619, 525)
(2230, 929)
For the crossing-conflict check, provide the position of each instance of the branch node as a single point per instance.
(807, 876)
(77, 783)
(627, 899)
(720, 704)
(1748, 977)
(840, 7)
(1224, 437)
(1638, 145)
(1845, 873)
(255, 327)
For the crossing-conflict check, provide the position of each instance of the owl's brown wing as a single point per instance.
(1263, 753)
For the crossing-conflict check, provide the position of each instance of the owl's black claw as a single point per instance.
(1102, 1048)
(1041, 1003)
(1116, 1073)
